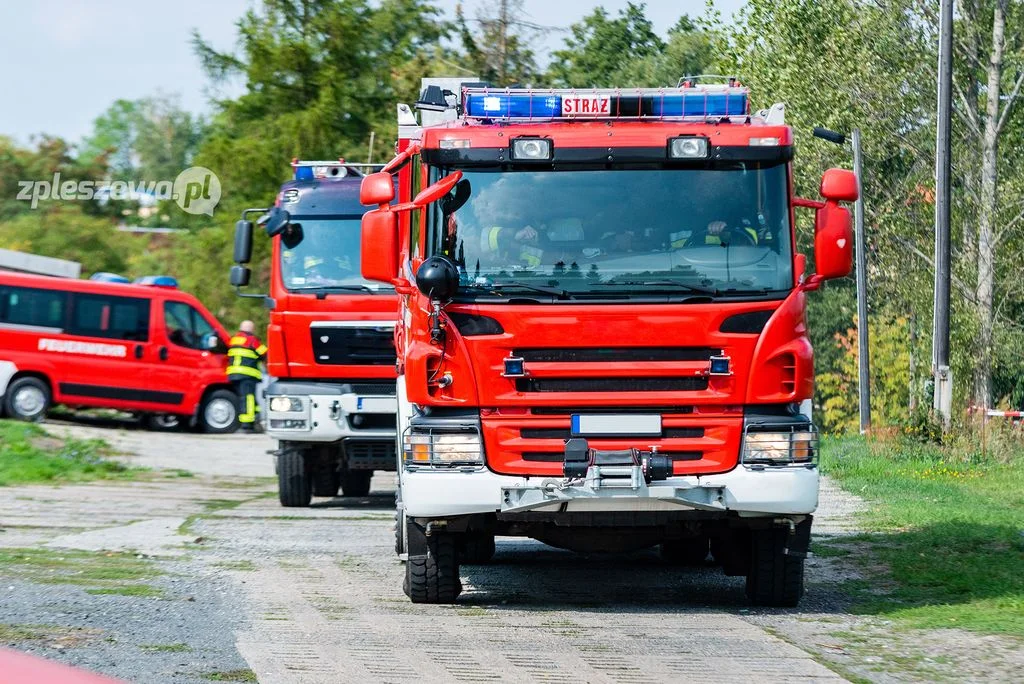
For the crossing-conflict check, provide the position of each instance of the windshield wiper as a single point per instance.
(327, 289)
(552, 291)
(664, 283)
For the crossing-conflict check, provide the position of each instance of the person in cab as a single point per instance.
(245, 353)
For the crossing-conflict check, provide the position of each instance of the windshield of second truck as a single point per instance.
(716, 231)
(326, 257)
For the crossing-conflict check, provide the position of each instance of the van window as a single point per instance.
(186, 327)
(31, 306)
(118, 318)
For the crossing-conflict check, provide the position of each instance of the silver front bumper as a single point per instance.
(331, 418)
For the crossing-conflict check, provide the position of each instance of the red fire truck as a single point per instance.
(146, 347)
(602, 341)
(330, 343)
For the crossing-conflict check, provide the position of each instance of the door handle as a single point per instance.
(163, 353)
(138, 351)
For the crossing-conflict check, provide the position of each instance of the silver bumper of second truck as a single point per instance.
(330, 418)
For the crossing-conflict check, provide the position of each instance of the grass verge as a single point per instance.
(28, 454)
(945, 540)
(99, 573)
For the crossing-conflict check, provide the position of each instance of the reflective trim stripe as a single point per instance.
(243, 352)
(238, 340)
(492, 237)
(243, 370)
(249, 416)
(261, 350)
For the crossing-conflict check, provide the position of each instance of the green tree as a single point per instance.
(603, 51)
(499, 50)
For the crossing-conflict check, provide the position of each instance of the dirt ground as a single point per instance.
(243, 589)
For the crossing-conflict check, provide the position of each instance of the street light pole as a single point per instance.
(943, 398)
(860, 246)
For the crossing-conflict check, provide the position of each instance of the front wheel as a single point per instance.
(219, 412)
(775, 577)
(356, 482)
(294, 484)
(434, 578)
(27, 399)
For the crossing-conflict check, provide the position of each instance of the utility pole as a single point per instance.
(369, 155)
(943, 398)
(860, 246)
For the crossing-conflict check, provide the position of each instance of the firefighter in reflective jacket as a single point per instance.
(245, 353)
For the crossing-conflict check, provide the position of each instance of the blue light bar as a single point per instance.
(518, 106)
(104, 277)
(157, 281)
(685, 102)
(303, 173)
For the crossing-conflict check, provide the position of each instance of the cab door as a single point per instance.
(185, 365)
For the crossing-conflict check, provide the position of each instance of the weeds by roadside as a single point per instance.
(946, 529)
(29, 455)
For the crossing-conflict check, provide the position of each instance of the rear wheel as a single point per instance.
(294, 484)
(162, 422)
(775, 578)
(27, 399)
(326, 478)
(356, 482)
(219, 412)
(434, 578)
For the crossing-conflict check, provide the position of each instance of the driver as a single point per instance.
(504, 244)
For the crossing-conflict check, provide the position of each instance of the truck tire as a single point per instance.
(399, 523)
(775, 579)
(219, 413)
(434, 578)
(691, 552)
(356, 482)
(27, 399)
(326, 478)
(476, 548)
(294, 484)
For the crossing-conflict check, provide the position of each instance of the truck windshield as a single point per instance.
(718, 231)
(327, 257)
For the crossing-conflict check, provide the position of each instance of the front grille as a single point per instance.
(366, 450)
(558, 457)
(386, 389)
(604, 354)
(371, 421)
(569, 410)
(369, 346)
(565, 433)
(691, 384)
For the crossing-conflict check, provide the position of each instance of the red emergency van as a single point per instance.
(143, 347)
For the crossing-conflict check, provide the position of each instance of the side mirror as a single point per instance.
(243, 242)
(377, 189)
(438, 278)
(240, 275)
(275, 221)
(437, 190)
(379, 240)
(839, 185)
(210, 342)
(833, 242)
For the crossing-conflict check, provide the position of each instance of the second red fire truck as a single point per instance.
(331, 354)
(602, 341)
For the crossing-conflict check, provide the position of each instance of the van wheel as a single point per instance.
(775, 578)
(356, 482)
(27, 399)
(162, 422)
(294, 484)
(434, 578)
(219, 413)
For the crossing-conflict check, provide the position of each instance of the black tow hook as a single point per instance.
(579, 457)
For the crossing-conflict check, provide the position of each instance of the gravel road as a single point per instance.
(248, 589)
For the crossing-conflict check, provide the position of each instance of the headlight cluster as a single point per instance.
(442, 449)
(287, 405)
(796, 446)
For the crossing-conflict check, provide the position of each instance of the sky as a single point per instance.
(65, 61)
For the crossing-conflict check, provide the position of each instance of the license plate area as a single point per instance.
(616, 425)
